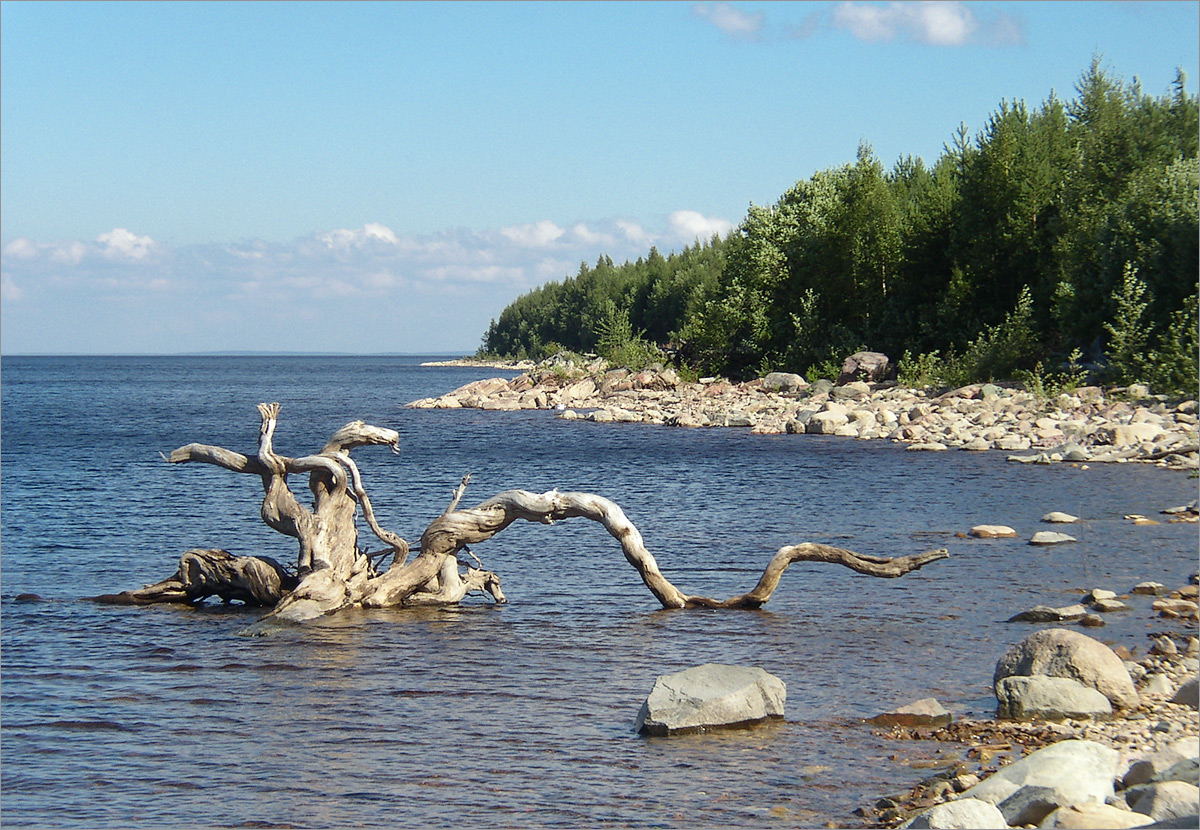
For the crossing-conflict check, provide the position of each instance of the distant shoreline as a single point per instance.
(509, 365)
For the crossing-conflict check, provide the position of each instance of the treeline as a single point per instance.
(1066, 234)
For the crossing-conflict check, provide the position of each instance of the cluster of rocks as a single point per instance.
(1111, 742)
(1088, 425)
(1182, 603)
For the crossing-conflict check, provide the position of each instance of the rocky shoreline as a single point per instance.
(1146, 725)
(1088, 425)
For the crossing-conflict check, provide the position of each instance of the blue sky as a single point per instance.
(386, 177)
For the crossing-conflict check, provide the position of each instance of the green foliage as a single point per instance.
(1003, 349)
(924, 371)
(1128, 350)
(620, 345)
(1175, 363)
(1015, 245)
(1047, 385)
(825, 370)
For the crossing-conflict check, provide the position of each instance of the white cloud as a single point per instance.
(372, 233)
(587, 236)
(9, 290)
(730, 19)
(120, 243)
(21, 248)
(387, 288)
(691, 225)
(635, 233)
(536, 235)
(933, 22)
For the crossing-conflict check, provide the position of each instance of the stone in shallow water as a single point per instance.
(1050, 537)
(924, 712)
(992, 532)
(712, 695)
(1058, 517)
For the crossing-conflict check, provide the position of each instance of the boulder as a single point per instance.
(782, 382)
(1091, 815)
(1188, 694)
(924, 712)
(959, 815)
(1187, 771)
(1124, 435)
(1050, 537)
(1044, 613)
(826, 423)
(1165, 800)
(872, 367)
(1058, 652)
(1171, 763)
(1159, 685)
(853, 390)
(1060, 775)
(1056, 517)
(1049, 698)
(992, 532)
(711, 695)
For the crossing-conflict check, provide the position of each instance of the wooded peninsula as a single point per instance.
(1056, 246)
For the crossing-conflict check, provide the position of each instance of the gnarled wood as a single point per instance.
(203, 573)
(333, 572)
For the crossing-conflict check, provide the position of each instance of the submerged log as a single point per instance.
(332, 572)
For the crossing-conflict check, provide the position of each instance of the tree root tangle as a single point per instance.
(332, 572)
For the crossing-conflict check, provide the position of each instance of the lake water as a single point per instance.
(518, 715)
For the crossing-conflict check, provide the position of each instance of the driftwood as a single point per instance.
(332, 572)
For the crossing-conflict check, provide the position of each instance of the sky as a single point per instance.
(386, 177)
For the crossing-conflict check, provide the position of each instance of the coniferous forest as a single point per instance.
(1058, 242)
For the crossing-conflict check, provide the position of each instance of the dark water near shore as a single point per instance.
(520, 715)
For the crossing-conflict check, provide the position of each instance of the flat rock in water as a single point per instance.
(924, 712)
(1044, 613)
(1055, 517)
(992, 532)
(712, 695)
(1050, 537)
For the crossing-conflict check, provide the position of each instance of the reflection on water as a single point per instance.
(520, 715)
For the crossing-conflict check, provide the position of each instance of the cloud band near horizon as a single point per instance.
(129, 287)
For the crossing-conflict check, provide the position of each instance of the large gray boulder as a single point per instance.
(1188, 693)
(711, 695)
(783, 382)
(1058, 652)
(1060, 775)
(1178, 761)
(967, 814)
(1049, 698)
(872, 367)
(1165, 800)
(1091, 815)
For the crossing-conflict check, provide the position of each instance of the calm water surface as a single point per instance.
(513, 716)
